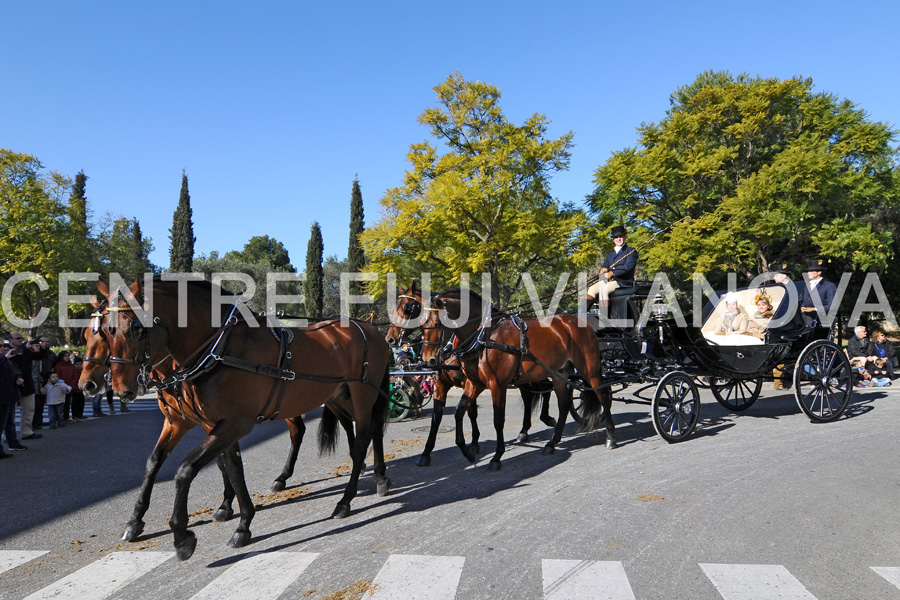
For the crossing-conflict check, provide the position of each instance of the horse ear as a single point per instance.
(103, 288)
(95, 302)
(415, 287)
(136, 287)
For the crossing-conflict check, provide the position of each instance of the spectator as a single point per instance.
(67, 372)
(406, 356)
(56, 391)
(879, 373)
(884, 348)
(39, 398)
(23, 355)
(45, 368)
(76, 395)
(860, 346)
(10, 379)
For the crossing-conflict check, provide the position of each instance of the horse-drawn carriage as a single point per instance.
(674, 356)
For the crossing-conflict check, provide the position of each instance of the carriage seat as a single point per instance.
(713, 322)
(618, 302)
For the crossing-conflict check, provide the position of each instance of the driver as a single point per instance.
(616, 271)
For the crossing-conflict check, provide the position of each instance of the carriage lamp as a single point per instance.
(659, 309)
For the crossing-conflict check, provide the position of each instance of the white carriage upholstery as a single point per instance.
(713, 322)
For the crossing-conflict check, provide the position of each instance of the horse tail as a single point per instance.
(328, 432)
(592, 409)
(534, 398)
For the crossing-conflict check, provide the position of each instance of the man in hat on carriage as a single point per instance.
(616, 271)
(818, 285)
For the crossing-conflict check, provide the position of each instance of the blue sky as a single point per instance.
(273, 108)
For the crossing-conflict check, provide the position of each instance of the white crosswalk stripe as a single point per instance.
(258, 577)
(10, 559)
(267, 575)
(755, 582)
(892, 574)
(401, 578)
(577, 579)
(103, 577)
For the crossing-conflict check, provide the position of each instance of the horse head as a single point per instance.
(409, 307)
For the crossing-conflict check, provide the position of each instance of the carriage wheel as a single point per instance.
(399, 405)
(575, 409)
(736, 394)
(823, 381)
(676, 407)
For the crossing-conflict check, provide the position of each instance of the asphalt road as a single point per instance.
(759, 505)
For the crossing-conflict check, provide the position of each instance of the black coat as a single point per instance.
(23, 362)
(860, 347)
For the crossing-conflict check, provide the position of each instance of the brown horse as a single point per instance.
(409, 309)
(515, 351)
(233, 386)
(179, 420)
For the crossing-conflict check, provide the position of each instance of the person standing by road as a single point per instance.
(56, 391)
(67, 372)
(10, 380)
(23, 356)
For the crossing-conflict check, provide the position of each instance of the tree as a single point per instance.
(181, 252)
(231, 262)
(124, 249)
(482, 205)
(356, 259)
(314, 285)
(746, 171)
(34, 224)
(262, 248)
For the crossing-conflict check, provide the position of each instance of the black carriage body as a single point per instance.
(674, 355)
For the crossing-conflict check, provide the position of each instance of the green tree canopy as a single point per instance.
(746, 171)
(262, 248)
(483, 204)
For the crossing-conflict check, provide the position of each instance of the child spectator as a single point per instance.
(56, 391)
(879, 373)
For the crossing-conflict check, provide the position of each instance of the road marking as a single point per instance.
(892, 574)
(417, 577)
(258, 577)
(103, 577)
(756, 582)
(10, 559)
(594, 579)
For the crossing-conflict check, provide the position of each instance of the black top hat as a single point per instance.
(815, 264)
(617, 231)
(781, 267)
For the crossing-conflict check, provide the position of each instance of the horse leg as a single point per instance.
(528, 402)
(545, 410)
(437, 414)
(606, 400)
(171, 434)
(234, 466)
(225, 511)
(214, 444)
(476, 433)
(297, 428)
(564, 402)
(498, 395)
(358, 454)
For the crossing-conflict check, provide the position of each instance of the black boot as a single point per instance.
(585, 305)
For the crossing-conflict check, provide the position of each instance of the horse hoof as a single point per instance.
(475, 448)
(185, 549)
(548, 450)
(239, 539)
(341, 511)
(223, 514)
(132, 531)
(523, 437)
(382, 487)
(611, 444)
(494, 465)
(470, 456)
(551, 422)
(424, 461)
(277, 486)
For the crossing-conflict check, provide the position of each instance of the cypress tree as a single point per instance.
(138, 252)
(181, 252)
(355, 257)
(315, 275)
(78, 204)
